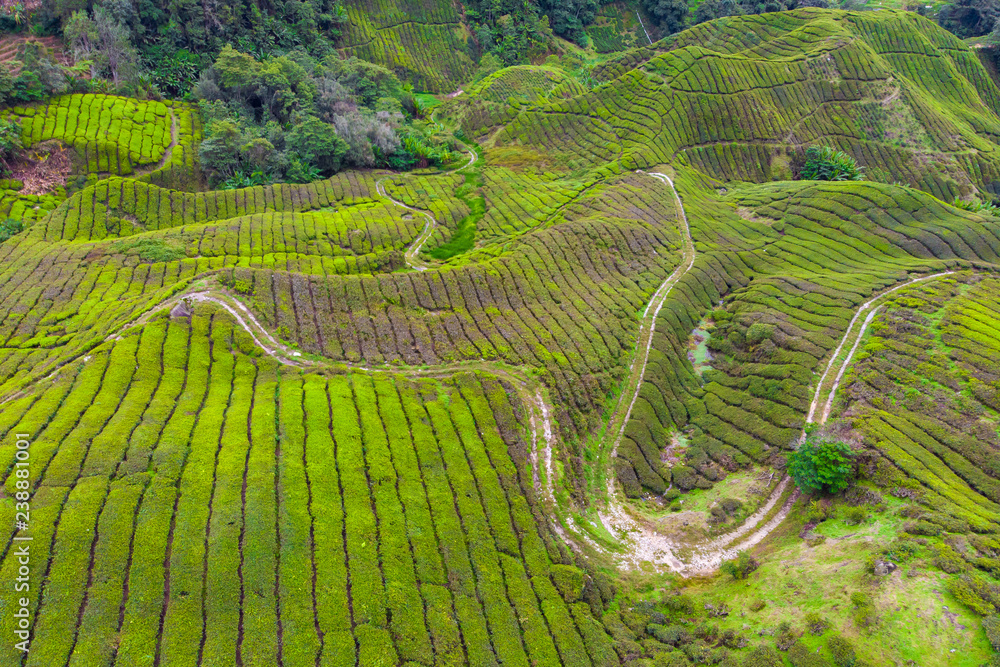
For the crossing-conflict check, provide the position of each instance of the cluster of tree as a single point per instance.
(39, 76)
(508, 30)
(166, 43)
(971, 18)
(713, 9)
(296, 118)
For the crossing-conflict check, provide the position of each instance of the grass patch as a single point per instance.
(464, 237)
(150, 250)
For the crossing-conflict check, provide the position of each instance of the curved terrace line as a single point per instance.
(412, 254)
(646, 544)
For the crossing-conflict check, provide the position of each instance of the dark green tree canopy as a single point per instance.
(821, 465)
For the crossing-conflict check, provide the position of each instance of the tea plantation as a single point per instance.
(515, 408)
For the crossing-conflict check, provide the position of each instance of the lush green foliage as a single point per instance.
(842, 650)
(969, 18)
(108, 133)
(297, 119)
(509, 30)
(828, 164)
(39, 75)
(976, 206)
(384, 507)
(9, 228)
(11, 144)
(740, 567)
(670, 15)
(820, 465)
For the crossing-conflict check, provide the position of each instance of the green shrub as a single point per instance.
(675, 635)
(759, 332)
(949, 560)
(991, 626)
(763, 656)
(150, 250)
(800, 656)
(976, 205)
(824, 163)
(900, 550)
(855, 516)
(817, 512)
(784, 636)
(569, 581)
(922, 527)
(678, 603)
(976, 593)
(865, 614)
(816, 624)
(821, 466)
(9, 228)
(731, 505)
(842, 650)
(740, 567)
(685, 477)
(318, 145)
(11, 144)
(670, 659)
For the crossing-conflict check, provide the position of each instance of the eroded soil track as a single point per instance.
(642, 541)
(412, 254)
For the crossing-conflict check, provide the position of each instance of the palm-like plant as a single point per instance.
(824, 163)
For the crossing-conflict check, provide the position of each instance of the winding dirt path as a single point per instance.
(412, 254)
(647, 327)
(643, 543)
(146, 170)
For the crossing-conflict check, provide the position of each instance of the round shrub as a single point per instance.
(759, 332)
(842, 650)
(922, 527)
(685, 478)
(991, 626)
(800, 656)
(670, 659)
(763, 656)
(731, 505)
(740, 567)
(816, 624)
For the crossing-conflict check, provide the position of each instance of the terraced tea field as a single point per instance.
(448, 417)
(426, 43)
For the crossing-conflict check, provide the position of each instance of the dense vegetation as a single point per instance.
(293, 117)
(313, 375)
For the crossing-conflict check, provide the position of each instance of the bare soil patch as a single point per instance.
(42, 168)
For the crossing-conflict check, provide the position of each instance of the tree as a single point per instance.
(40, 73)
(570, 17)
(821, 465)
(105, 42)
(11, 146)
(713, 9)
(763, 656)
(668, 14)
(969, 18)
(318, 144)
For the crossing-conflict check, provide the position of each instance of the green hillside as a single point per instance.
(424, 43)
(513, 378)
